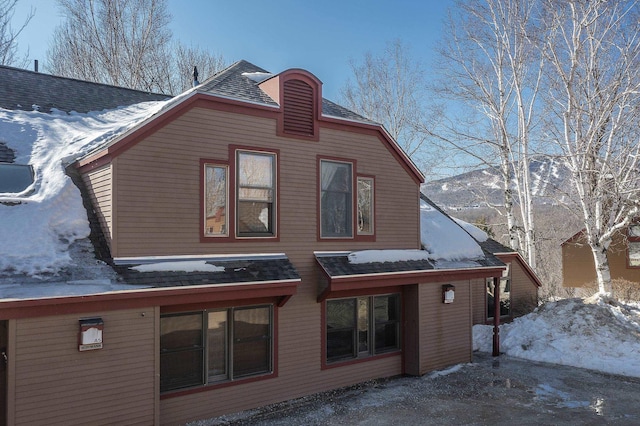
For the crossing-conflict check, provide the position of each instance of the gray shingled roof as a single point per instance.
(492, 246)
(233, 82)
(22, 89)
(338, 265)
(236, 271)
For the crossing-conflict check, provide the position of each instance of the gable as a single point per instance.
(293, 98)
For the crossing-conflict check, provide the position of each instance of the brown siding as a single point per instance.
(85, 387)
(524, 293)
(165, 220)
(159, 214)
(157, 191)
(479, 301)
(98, 183)
(445, 329)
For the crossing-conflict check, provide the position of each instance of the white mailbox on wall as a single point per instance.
(90, 334)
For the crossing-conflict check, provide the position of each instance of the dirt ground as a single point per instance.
(495, 391)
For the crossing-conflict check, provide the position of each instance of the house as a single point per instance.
(578, 267)
(519, 284)
(260, 243)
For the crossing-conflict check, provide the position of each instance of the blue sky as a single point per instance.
(320, 36)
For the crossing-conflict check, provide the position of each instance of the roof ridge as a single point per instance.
(113, 86)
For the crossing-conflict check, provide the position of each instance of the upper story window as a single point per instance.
(360, 327)
(255, 194)
(336, 199)
(346, 203)
(216, 198)
(211, 346)
(633, 245)
(365, 205)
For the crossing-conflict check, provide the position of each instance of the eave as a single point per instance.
(146, 298)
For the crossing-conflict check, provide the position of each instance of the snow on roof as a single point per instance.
(258, 77)
(370, 256)
(38, 227)
(478, 234)
(179, 266)
(444, 239)
(20, 291)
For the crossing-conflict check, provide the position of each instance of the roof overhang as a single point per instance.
(507, 257)
(342, 277)
(229, 279)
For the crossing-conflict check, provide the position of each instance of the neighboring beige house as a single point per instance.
(248, 206)
(578, 267)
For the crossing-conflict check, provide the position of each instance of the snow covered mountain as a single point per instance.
(550, 182)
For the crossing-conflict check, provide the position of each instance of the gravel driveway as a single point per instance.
(495, 391)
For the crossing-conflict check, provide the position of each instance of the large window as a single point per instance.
(215, 200)
(204, 347)
(362, 326)
(336, 199)
(633, 241)
(255, 194)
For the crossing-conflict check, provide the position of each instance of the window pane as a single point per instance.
(217, 344)
(365, 206)
(181, 351)
(634, 254)
(505, 297)
(254, 217)
(387, 322)
(336, 199)
(256, 193)
(181, 331)
(341, 329)
(363, 324)
(215, 200)
(340, 344)
(255, 170)
(341, 313)
(251, 341)
(181, 369)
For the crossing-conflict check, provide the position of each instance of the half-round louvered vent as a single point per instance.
(298, 108)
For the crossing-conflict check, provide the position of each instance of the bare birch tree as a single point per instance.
(492, 68)
(593, 50)
(124, 43)
(390, 89)
(9, 35)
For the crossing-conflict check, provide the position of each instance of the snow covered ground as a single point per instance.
(593, 333)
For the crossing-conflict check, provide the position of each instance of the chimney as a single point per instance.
(35, 65)
(195, 76)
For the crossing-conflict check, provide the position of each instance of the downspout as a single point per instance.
(496, 316)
